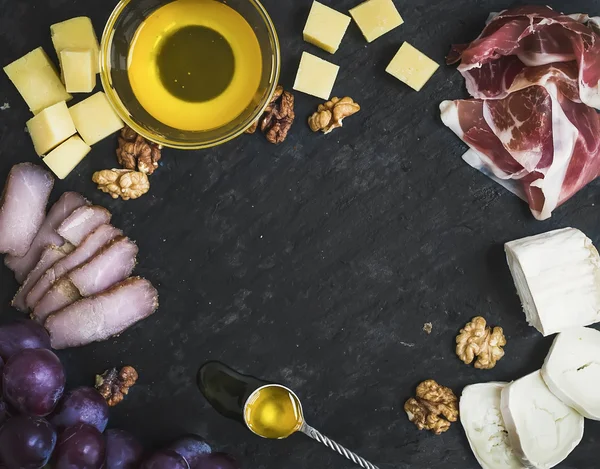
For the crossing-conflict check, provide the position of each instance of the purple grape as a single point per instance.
(21, 335)
(82, 405)
(165, 459)
(33, 381)
(192, 448)
(123, 450)
(4, 412)
(218, 461)
(26, 442)
(79, 447)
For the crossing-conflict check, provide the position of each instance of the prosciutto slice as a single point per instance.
(92, 244)
(104, 315)
(534, 74)
(46, 236)
(113, 264)
(23, 207)
(50, 256)
(82, 222)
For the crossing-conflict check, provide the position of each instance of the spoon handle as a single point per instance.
(355, 458)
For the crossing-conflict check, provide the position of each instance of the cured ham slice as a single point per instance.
(535, 73)
(82, 222)
(50, 256)
(104, 315)
(113, 264)
(92, 244)
(46, 236)
(23, 207)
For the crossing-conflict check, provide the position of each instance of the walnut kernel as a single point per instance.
(278, 117)
(114, 385)
(330, 115)
(477, 339)
(123, 183)
(434, 408)
(137, 153)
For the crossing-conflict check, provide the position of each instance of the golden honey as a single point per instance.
(273, 412)
(195, 65)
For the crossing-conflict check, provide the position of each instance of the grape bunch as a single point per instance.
(41, 424)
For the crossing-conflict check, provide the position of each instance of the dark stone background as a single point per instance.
(316, 262)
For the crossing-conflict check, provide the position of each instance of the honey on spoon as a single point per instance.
(269, 410)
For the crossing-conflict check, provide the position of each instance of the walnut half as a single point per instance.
(123, 183)
(137, 153)
(330, 115)
(434, 408)
(477, 339)
(114, 385)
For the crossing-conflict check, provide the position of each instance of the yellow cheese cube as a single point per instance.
(325, 27)
(63, 159)
(95, 118)
(315, 76)
(78, 70)
(376, 17)
(76, 33)
(50, 128)
(412, 67)
(37, 81)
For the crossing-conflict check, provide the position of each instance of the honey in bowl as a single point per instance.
(195, 65)
(273, 411)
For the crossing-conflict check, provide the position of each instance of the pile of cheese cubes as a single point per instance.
(326, 28)
(64, 135)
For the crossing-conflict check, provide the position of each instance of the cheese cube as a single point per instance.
(412, 67)
(78, 70)
(95, 119)
(37, 80)
(315, 76)
(376, 17)
(325, 27)
(63, 159)
(76, 33)
(50, 128)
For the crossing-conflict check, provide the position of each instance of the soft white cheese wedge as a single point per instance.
(572, 370)
(482, 420)
(542, 429)
(557, 275)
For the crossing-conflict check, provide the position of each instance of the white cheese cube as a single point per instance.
(412, 67)
(78, 70)
(315, 76)
(95, 119)
(557, 276)
(76, 33)
(325, 27)
(63, 159)
(50, 128)
(37, 80)
(376, 18)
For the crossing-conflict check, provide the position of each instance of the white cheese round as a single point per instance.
(572, 370)
(482, 420)
(541, 428)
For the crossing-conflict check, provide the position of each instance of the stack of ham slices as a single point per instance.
(73, 266)
(532, 126)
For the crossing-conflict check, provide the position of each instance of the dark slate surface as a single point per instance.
(316, 262)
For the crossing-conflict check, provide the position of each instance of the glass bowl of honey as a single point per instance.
(189, 74)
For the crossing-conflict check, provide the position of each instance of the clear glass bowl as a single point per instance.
(116, 39)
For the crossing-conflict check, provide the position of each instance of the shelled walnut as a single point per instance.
(137, 153)
(330, 115)
(477, 339)
(434, 408)
(114, 385)
(123, 183)
(278, 117)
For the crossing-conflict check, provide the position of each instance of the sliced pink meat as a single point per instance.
(46, 236)
(102, 316)
(50, 256)
(92, 244)
(112, 264)
(23, 207)
(82, 222)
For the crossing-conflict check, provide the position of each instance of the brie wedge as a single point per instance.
(557, 276)
(481, 418)
(572, 370)
(542, 429)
